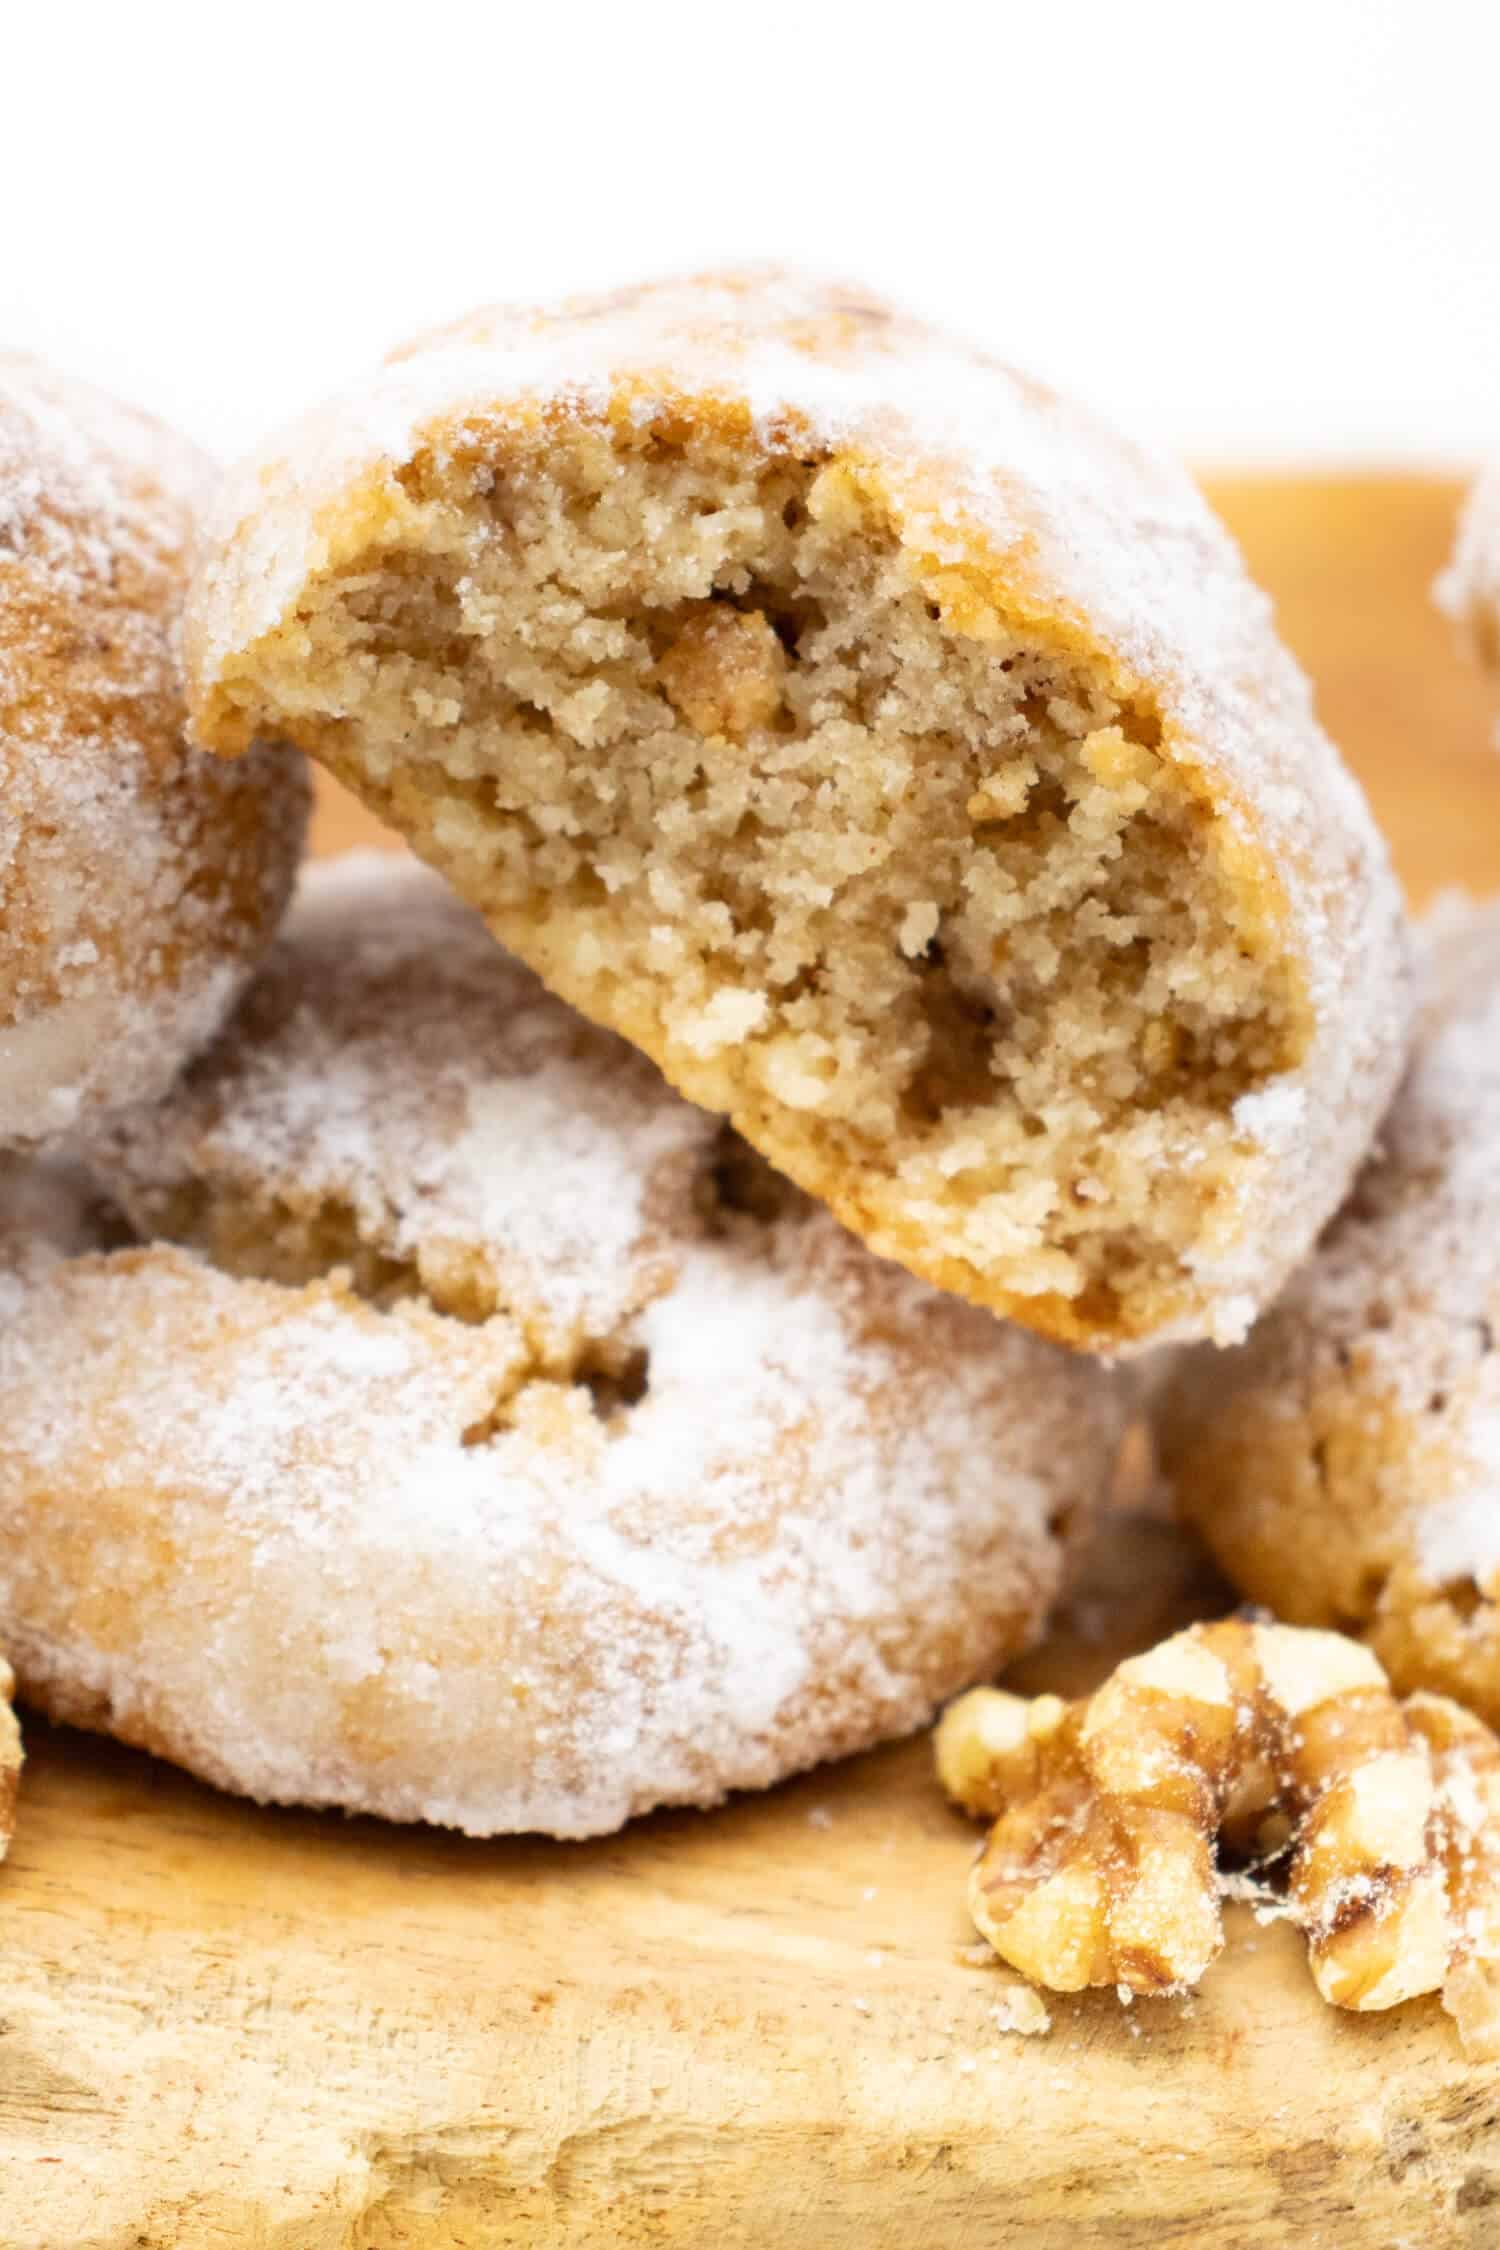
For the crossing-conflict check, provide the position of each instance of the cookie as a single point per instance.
(477, 1433)
(139, 878)
(1344, 1465)
(1469, 589)
(898, 757)
(11, 1758)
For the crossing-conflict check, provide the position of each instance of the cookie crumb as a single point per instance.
(1021, 2009)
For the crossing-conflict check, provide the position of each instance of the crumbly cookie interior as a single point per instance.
(902, 887)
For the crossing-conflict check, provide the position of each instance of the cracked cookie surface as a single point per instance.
(473, 1431)
(139, 879)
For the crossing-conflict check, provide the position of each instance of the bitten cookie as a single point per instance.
(899, 758)
(139, 879)
(1344, 1466)
(1469, 589)
(504, 1445)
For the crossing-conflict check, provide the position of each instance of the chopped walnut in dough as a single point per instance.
(1100, 1868)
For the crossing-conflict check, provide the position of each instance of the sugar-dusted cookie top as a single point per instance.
(473, 1431)
(139, 878)
(900, 758)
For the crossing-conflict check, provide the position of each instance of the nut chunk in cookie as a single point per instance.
(900, 758)
(1280, 1742)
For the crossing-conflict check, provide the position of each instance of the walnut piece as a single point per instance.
(724, 670)
(1100, 1867)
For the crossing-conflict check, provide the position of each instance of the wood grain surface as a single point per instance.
(226, 2026)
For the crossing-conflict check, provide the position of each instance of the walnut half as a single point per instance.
(1100, 1867)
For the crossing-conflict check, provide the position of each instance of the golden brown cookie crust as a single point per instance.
(899, 758)
(1343, 1465)
(502, 1446)
(139, 879)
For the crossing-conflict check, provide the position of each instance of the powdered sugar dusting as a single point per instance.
(1056, 516)
(137, 877)
(1460, 1535)
(1386, 1341)
(1273, 1114)
(409, 1562)
(394, 1061)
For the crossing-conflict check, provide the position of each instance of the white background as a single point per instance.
(1256, 231)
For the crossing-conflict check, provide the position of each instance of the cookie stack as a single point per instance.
(414, 1404)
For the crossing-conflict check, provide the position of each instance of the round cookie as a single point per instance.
(504, 1445)
(1469, 589)
(901, 759)
(139, 878)
(1344, 1465)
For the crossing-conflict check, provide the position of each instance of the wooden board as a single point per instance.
(224, 2026)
